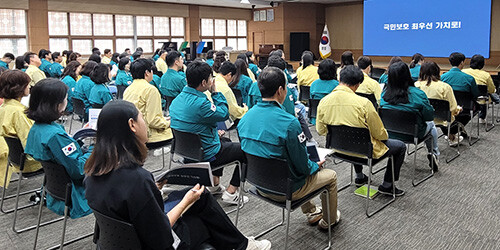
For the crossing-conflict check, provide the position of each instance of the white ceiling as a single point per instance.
(237, 4)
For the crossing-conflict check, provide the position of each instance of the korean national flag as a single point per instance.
(324, 45)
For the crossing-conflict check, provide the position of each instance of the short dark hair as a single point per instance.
(210, 54)
(276, 61)
(28, 56)
(196, 72)
(249, 54)
(123, 62)
(243, 57)
(307, 59)
(96, 51)
(106, 51)
(456, 58)
(139, 67)
(45, 98)
(227, 67)
(346, 59)
(88, 67)
(115, 57)
(477, 62)
(73, 57)
(351, 75)
(13, 83)
(100, 75)
(9, 55)
(327, 70)
(55, 55)
(70, 69)
(139, 49)
(277, 52)
(270, 79)
(127, 49)
(220, 57)
(95, 57)
(364, 62)
(20, 62)
(137, 54)
(43, 53)
(429, 71)
(116, 145)
(172, 57)
(398, 81)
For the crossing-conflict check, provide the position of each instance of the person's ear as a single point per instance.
(131, 124)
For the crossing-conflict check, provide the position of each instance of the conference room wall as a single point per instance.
(345, 23)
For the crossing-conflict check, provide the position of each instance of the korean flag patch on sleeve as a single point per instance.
(302, 137)
(213, 107)
(69, 149)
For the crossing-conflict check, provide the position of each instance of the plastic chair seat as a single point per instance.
(357, 160)
(295, 203)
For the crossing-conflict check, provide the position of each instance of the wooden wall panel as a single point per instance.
(38, 25)
(225, 13)
(267, 32)
(14, 4)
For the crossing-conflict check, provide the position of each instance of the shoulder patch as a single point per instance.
(290, 97)
(213, 107)
(69, 149)
(302, 137)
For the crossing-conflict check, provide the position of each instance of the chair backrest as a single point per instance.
(57, 181)
(399, 121)
(376, 73)
(119, 91)
(441, 109)
(97, 106)
(78, 106)
(16, 151)
(313, 108)
(483, 90)
(464, 99)
(270, 175)
(370, 97)
(496, 80)
(115, 234)
(349, 139)
(169, 100)
(305, 93)
(238, 96)
(187, 145)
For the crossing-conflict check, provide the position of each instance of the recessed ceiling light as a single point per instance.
(245, 1)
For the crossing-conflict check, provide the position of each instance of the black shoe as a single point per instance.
(35, 198)
(361, 181)
(388, 191)
(433, 164)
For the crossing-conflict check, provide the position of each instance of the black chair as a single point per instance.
(370, 97)
(111, 233)
(484, 99)
(16, 157)
(376, 73)
(238, 96)
(273, 176)
(168, 100)
(405, 123)
(159, 145)
(357, 141)
(79, 110)
(442, 112)
(120, 89)
(58, 184)
(305, 93)
(313, 108)
(466, 100)
(97, 106)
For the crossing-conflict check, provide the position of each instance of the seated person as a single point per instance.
(460, 81)
(241, 80)
(173, 81)
(85, 85)
(307, 73)
(148, 101)
(210, 57)
(56, 69)
(45, 57)
(482, 78)
(430, 83)
(191, 111)
(161, 63)
(252, 64)
(368, 86)
(14, 85)
(347, 58)
(269, 131)
(33, 69)
(100, 94)
(123, 77)
(344, 107)
(69, 77)
(6, 60)
(416, 62)
(193, 215)
(383, 77)
(48, 141)
(327, 81)
(400, 94)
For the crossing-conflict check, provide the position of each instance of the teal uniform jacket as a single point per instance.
(45, 67)
(113, 63)
(419, 104)
(123, 78)
(4, 65)
(415, 72)
(460, 81)
(383, 78)
(268, 131)
(82, 91)
(157, 82)
(192, 112)
(71, 83)
(255, 70)
(210, 62)
(254, 97)
(56, 70)
(321, 88)
(49, 142)
(172, 83)
(244, 86)
(100, 95)
(288, 76)
(156, 57)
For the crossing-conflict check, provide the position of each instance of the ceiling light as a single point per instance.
(245, 1)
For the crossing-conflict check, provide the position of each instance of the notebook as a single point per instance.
(317, 154)
(188, 174)
(361, 191)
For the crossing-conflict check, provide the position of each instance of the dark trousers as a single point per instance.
(206, 222)
(397, 149)
(482, 111)
(229, 152)
(304, 126)
(463, 117)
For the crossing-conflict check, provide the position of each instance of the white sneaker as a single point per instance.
(482, 121)
(258, 244)
(323, 225)
(456, 141)
(233, 198)
(219, 189)
(314, 217)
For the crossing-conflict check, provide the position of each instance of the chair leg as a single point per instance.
(64, 226)
(350, 182)
(71, 122)
(413, 181)
(238, 165)
(488, 128)
(39, 218)
(457, 150)
(368, 214)
(242, 185)
(472, 140)
(288, 208)
(329, 219)
(273, 227)
(18, 193)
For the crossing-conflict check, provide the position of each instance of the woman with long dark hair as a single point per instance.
(220, 58)
(401, 94)
(69, 77)
(416, 61)
(252, 64)
(241, 80)
(307, 73)
(192, 215)
(85, 85)
(383, 77)
(100, 94)
(347, 58)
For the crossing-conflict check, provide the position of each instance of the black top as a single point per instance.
(131, 195)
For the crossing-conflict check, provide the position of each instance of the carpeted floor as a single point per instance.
(455, 209)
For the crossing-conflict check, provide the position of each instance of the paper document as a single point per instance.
(189, 174)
